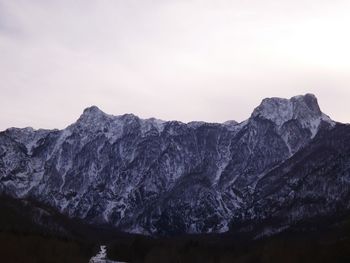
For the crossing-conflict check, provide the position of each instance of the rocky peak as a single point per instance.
(92, 111)
(92, 116)
(279, 110)
(303, 108)
(308, 100)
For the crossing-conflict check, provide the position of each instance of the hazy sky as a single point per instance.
(185, 60)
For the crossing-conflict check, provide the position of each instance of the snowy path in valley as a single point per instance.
(101, 257)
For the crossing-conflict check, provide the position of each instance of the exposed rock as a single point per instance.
(156, 177)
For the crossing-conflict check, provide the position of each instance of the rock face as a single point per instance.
(156, 177)
(314, 183)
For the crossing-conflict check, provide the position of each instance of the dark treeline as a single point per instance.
(22, 239)
(31, 248)
(56, 239)
(325, 244)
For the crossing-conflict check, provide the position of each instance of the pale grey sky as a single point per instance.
(210, 60)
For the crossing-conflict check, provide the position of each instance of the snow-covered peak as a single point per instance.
(92, 117)
(303, 108)
(277, 110)
(92, 112)
(280, 110)
(96, 122)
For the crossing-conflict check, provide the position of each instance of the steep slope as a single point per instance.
(151, 176)
(314, 183)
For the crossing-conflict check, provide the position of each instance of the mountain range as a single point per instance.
(287, 163)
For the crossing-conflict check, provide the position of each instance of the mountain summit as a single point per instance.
(165, 178)
(304, 109)
(281, 110)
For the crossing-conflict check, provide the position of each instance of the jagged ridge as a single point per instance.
(151, 176)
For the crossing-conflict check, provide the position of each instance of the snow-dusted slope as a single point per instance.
(151, 176)
(312, 185)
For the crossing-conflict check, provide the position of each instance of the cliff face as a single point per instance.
(156, 177)
(312, 184)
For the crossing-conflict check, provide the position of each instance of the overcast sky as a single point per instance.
(170, 59)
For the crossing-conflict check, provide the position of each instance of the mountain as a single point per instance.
(286, 163)
(313, 184)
